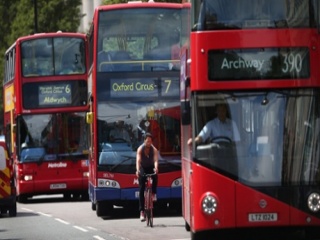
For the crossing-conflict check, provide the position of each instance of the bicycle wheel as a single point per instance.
(150, 209)
(147, 215)
(151, 217)
(147, 206)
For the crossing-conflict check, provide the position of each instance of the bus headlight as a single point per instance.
(27, 177)
(209, 204)
(108, 183)
(177, 182)
(314, 202)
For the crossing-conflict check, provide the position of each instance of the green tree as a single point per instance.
(107, 2)
(52, 15)
(17, 19)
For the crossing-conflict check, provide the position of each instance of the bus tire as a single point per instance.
(103, 208)
(93, 206)
(85, 196)
(22, 198)
(187, 226)
(99, 209)
(199, 236)
(13, 210)
(67, 196)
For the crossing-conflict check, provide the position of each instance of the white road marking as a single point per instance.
(97, 237)
(27, 209)
(81, 229)
(62, 221)
(92, 228)
(45, 214)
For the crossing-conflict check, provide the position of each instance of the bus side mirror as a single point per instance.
(185, 113)
(89, 117)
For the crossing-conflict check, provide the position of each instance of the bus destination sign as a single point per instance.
(55, 94)
(146, 87)
(259, 63)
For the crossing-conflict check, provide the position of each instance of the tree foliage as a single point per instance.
(107, 2)
(17, 19)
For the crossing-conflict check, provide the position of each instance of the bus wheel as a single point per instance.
(100, 209)
(85, 196)
(3, 211)
(13, 210)
(93, 206)
(187, 226)
(103, 208)
(76, 196)
(22, 198)
(67, 196)
(198, 236)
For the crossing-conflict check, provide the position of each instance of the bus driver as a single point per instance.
(219, 127)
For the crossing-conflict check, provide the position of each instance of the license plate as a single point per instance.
(263, 217)
(58, 186)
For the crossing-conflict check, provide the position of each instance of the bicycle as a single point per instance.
(148, 200)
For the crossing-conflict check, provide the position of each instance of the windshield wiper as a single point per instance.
(127, 158)
(169, 162)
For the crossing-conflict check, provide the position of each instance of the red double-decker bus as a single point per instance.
(45, 101)
(256, 173)
(134, 85)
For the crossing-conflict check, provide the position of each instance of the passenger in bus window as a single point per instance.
(67, 67)
(167, 50)
(31, 69)
(219, 129)
(119, 132)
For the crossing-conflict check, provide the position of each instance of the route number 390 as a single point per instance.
(292, 63)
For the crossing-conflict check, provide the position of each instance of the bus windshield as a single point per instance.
(142, 40)
(276, 141)
(52, 136)
(53, 56)
(122, 123)
(229, 14)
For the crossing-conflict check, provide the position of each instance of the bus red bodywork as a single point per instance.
(135, 83)
(45, 100)
(262, 63)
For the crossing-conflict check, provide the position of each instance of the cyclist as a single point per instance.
(146, 163)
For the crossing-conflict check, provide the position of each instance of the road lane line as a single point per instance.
(45, 214)
(27, 209)
(81, 229)
(98, 238)
(62, 221)
(92, 228)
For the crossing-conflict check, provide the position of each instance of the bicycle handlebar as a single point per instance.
(149, 174)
